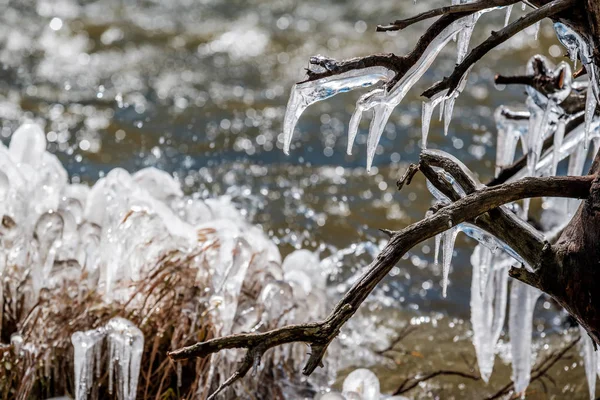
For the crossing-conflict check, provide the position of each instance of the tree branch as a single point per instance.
(494, 40)
(505, 225)
(464, 9)
(318, 335)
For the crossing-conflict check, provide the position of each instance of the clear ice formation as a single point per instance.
(110, 237)
(508, 12)
(125, 344)
(488, 305)
(305, 94)
(590, 361)
(381, 100)
(522, 302)
(510, 132)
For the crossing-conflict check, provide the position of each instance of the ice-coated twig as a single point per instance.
(465, 8)
(494, 40)
(318, 335)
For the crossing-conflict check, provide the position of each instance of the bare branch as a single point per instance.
(408, 175)
(463, 9)
(494, 40)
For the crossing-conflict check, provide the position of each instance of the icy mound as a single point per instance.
(179, 269)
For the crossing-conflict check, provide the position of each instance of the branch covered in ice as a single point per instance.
(496, 38)
(463, 9)
(318, 335)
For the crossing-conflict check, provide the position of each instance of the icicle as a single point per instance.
(361, 106)
(450, 99)
(536, 28)
(575, 168)
(558, 139)
(381, 114)
(522, 302)
(508, 12)
(305, 94)
(127, 344)
(579, 47)
(448, 250)
(590, 110)
(590, 361)
(534, 135)
(509, 133)
(488, 307)
(427, 112)
(523, 6)
(384, 102)
(85, 345)
(436, 254)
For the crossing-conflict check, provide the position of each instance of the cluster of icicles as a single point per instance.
(543, 118)
(74, 238)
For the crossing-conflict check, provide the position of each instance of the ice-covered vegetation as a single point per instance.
(100, 282)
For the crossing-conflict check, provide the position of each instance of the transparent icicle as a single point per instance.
(590, 109)
(448, 249)
(575, 168)
(85, 346)
(450, 99)
(488, 307)
(579, 47)
(522, 302)
(590, 361)
(536, 28)
(558, 140)
(436, 254)
(509, 133)
(384, 102)
(508, 12)
(427, 112)
(534, 135)
(523, 6)
(305, 94)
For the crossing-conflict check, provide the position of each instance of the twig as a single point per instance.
(411, 383)
(407, 176)
(495, 39)
(466, 9)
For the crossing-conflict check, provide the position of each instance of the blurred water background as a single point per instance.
(199, 88)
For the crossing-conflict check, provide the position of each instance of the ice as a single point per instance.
(451, 98)
(590, 109)
(508, 12)
(362, 382)
(438, 242)
(510, 131)
(28, 144)
(590, 361)
(536, 29)
(305, 94)
(578, 46)
(383, 102)
(126, 345)
(86, 346)
(488, 306)
(557, 144)
(522, 302)
(448, 250)
(427, 112)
